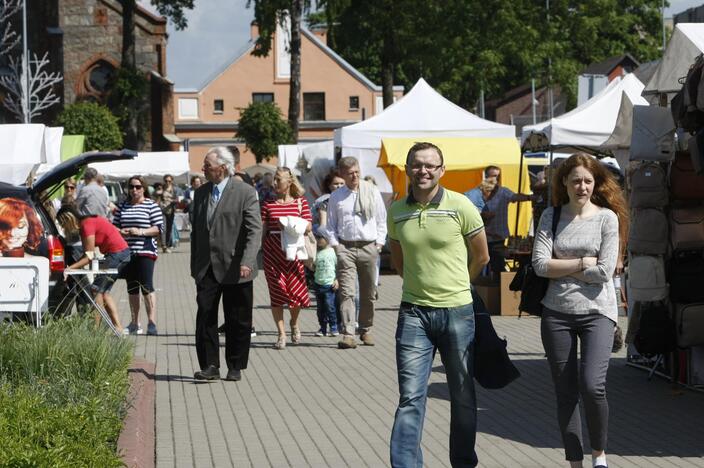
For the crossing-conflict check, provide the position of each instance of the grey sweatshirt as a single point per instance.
(596, 236)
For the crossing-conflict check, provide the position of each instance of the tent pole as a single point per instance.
(518, 205)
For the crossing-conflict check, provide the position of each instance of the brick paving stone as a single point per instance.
(315, 405)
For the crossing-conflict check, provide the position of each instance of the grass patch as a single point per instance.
(62, 394)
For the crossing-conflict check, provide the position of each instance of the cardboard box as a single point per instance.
(491, 297)
(509, 299)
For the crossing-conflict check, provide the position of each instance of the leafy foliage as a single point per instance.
(93, 120)
(129, 98)
(174, 10)
(463, 47)
(62, 394)
(263, 129)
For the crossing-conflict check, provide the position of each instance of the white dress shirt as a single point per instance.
(344, 224)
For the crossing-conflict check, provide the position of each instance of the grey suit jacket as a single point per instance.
(234, 237)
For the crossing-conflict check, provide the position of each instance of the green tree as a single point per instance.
(93, 120)
(268, 14)
(462, 47)
(133, 103)
(263, 129)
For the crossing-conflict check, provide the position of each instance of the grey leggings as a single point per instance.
(595, 332)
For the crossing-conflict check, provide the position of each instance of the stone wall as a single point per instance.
(93, 30)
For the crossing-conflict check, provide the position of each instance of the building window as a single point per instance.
(187, 108)
(262, 97)
(354, 103)
(313, 106)
(94, 83)
(218, 106)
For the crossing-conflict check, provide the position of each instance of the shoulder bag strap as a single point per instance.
(555, 219)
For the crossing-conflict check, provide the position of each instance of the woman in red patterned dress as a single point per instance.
(286, 279)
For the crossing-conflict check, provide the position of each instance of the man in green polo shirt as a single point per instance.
(437, 244)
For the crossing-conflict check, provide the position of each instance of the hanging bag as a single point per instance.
(646, 278)
(685, 184)
(687, 227)
(648, 186)
(656, 331)
(649, 232)
(534, 286)
(689, 324)
(310, 243)
(685, 273)
(653, 134)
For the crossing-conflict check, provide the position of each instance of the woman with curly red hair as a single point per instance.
(580, 303)
(20, 228)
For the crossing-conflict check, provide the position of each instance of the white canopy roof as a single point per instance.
(592, 123)
(423, 112)
(149, 165)
(686, 43)
(26, 147)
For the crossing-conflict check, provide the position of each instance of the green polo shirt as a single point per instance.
(432, 236)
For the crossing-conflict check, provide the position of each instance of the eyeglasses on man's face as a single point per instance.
(135, 187)
(70, 187)
(417, 167)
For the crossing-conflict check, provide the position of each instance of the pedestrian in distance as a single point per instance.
(438, 246)
(226, 236)
(140, 222)
(167, 202)
(356, 229)
(97, 231)
(92, 199)
(285, 274)
(495, 216)
(580, 306)
(326, 284)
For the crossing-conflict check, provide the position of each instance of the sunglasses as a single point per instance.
(70, 187)
(135, 187)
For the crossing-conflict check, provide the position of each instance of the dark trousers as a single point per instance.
(586, 378)
(168, 232)
(237, 306)
(326, 307)
(497, 261)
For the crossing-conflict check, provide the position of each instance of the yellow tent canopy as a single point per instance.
(465, 160)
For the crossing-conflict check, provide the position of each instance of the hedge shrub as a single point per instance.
(62, 394)
(93, 120)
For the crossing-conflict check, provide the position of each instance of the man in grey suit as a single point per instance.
(226, 235)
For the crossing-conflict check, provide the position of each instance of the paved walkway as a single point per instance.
(315, 405)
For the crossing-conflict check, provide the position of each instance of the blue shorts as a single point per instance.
(118, 260)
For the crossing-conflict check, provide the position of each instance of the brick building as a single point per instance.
(84, 42)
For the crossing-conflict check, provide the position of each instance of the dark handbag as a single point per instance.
(534, 286)
(492, 366)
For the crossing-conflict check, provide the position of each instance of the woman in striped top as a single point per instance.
(286, 279)
(140, 221)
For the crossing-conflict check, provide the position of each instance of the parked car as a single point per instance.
(27, 226)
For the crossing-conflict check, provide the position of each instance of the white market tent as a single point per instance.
(589, 125)
(25, 148)
(686, 43)
(149, 165)
(423, 112)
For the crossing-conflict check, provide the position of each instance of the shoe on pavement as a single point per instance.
(133, 329)
(253, 333)
(347, 342)
(320, 332)
(367, 339)
(209, 373)
(334, 332)
(151, 329)
(234, 375)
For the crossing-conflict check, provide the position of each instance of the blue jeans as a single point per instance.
(326, 308)
(419, 332)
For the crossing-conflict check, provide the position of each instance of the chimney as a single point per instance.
(253, 31)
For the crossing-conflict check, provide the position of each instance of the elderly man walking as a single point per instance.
(227, 231)
(356, 229)
(437, 243)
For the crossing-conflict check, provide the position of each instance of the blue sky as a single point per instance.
(217, 29)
